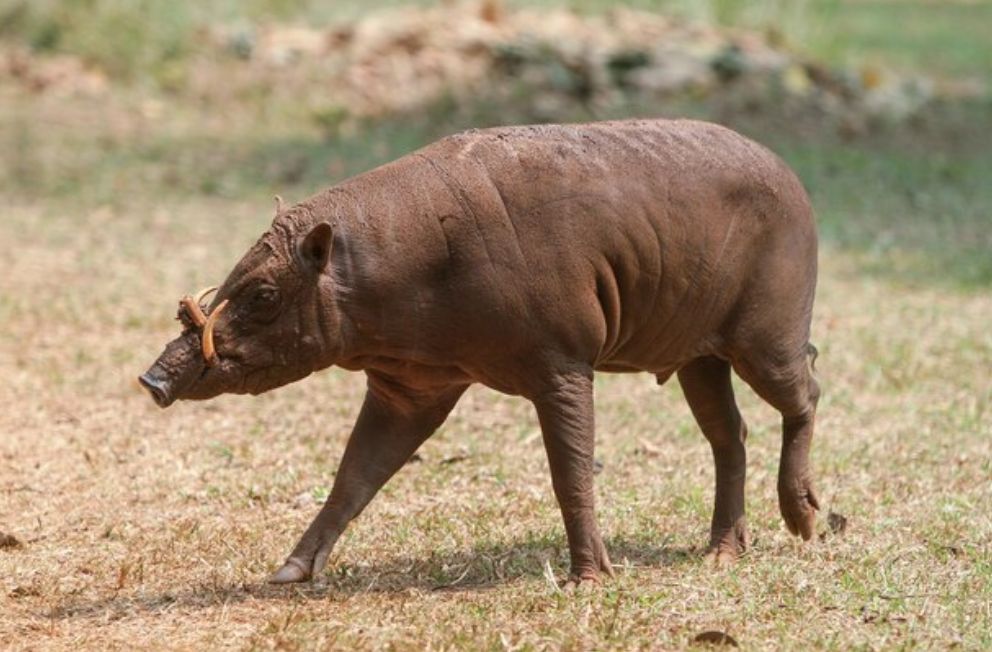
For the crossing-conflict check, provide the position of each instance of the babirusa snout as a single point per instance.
(175, 371)
(158, 388)
(183, 360)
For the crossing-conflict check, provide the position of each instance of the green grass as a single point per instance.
(926, 218)
(944, 39)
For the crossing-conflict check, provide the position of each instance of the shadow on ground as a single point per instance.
(479, 569)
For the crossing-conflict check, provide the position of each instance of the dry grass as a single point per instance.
(154, 530)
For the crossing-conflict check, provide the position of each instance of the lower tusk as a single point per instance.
(193, 309)
(204, 293)
(209, 352)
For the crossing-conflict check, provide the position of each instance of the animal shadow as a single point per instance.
(483, 567)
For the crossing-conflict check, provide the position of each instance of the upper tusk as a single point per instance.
(194, 310)
(202, 294)
(209, 352)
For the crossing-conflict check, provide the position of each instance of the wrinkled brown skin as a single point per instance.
(525, 259)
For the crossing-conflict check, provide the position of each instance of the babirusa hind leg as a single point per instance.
(792, 390)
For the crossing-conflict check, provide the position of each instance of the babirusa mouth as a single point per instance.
(179, 370)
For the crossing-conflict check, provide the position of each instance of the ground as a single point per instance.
(134, 527)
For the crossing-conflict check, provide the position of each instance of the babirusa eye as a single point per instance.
(265, 303)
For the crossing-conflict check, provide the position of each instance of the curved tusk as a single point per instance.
(209, 352)
(202, 294)
(279, 204)
(193, 309)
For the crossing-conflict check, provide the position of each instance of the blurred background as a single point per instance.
(882, 105)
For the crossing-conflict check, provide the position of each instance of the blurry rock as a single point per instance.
(544, 63)
(57, 74)
(673, 71)
(898, 99)
(795, 80)
(241, 41)
(491, 11)
(730, 63)
(871, 77)
(620, 64)
(280, 46)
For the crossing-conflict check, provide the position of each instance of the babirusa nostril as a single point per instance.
(157, 388)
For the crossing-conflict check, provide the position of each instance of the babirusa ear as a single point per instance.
(316, 247)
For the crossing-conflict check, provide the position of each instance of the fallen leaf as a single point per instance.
(649, 448)
(23, 592)
(9, 541)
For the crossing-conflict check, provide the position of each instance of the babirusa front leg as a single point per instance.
(385, 436)
(567, 423)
